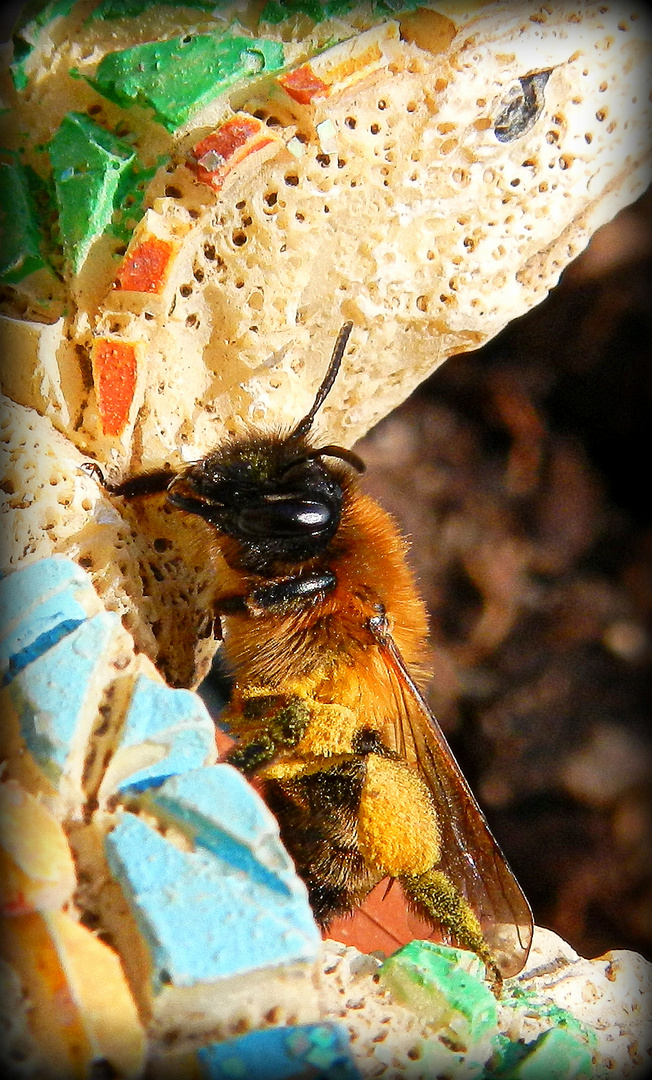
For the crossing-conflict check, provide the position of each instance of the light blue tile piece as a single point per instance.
(219, 810)
(43, 628)
(177, 726)
(40, 604)
(201, 918)
(21, 590)
(319, 1051)
(50, 694)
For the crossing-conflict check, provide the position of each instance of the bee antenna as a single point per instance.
(336, 359)
(340, 452)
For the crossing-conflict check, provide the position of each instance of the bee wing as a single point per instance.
(470, 856)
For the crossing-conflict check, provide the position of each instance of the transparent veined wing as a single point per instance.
(470, 856)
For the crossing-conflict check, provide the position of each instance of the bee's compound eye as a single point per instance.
(286, 517)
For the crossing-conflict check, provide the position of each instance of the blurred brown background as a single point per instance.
(521, 474)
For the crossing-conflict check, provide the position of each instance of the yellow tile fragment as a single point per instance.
(37, 872)
(81, 1010)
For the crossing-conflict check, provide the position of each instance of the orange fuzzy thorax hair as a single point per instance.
(313, 644)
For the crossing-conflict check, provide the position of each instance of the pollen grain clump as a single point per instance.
(397, 824)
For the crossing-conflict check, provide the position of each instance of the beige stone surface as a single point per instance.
(611, 996)
(391, 202)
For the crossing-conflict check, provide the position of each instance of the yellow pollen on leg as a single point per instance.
(436, 895)
(397, 824)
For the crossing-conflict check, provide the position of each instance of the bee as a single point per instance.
(324, 633)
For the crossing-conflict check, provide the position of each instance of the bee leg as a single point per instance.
(433, 894)
(251, 756)
(267, 723)
(277, 595)
(399, 834)
(152, 483)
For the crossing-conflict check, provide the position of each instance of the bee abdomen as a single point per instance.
(318, 818)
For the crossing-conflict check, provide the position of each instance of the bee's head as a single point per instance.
(277, 496)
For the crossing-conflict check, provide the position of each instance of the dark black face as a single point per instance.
(276, 497)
